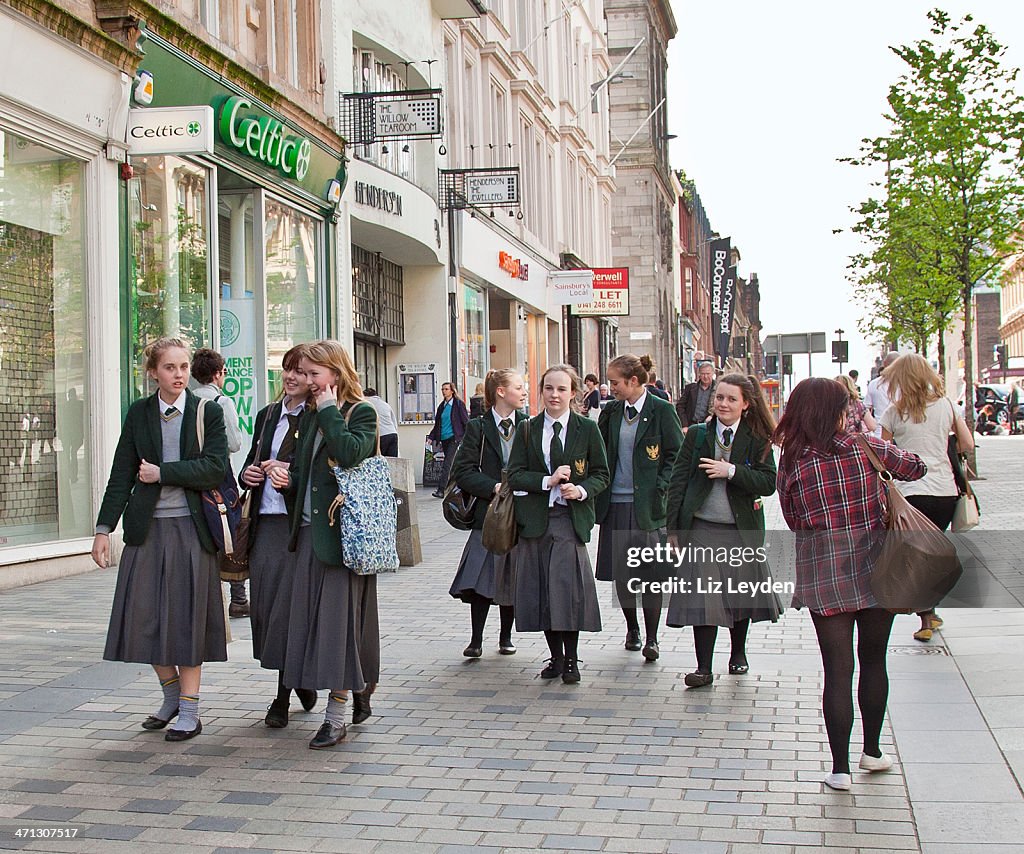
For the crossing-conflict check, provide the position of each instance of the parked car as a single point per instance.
(1005, 403)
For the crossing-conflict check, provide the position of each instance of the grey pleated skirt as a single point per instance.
(485, 573)
(271, 570)
(333, 630)
(555, 589)
(620, 531)
(712, 598)
(167, 602)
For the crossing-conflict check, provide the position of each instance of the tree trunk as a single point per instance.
(942, 355)
(967, 294)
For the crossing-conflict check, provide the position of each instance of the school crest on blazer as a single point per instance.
(581, 467)
(653, 452)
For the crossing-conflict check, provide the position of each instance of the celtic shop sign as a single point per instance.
(263, 138)
(170, 130)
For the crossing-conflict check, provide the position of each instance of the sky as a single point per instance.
(801, 82)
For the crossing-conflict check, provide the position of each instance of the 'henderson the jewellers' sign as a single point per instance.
(374, 197)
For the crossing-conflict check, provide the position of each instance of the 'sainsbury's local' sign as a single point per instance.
(170, 130)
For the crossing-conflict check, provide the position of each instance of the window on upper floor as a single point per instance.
(371, 73)
(209, 16)
(498, 143)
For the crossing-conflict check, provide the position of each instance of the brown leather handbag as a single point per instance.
(500, 533)
(917, 565)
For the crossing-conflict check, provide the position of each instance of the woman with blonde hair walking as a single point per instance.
(858, 417)
(920, 420)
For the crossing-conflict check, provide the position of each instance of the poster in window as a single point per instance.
(419, 395)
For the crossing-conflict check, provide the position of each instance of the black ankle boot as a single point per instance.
(361, 704)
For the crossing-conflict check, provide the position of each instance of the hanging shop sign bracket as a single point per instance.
(479, 188)
(368, 117)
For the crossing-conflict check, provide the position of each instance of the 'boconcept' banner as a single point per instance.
(720, 254)
(727, 310)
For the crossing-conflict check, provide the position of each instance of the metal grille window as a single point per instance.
(377, 297)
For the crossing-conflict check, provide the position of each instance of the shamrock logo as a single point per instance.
(193, 129)
(302, 159)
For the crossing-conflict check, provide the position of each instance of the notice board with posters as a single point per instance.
(417, 389)
(611, 294)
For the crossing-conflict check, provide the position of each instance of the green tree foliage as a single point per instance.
(952, 197)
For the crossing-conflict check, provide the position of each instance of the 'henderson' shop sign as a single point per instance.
(375, 197)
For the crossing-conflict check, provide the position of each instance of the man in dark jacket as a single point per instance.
(695, 403)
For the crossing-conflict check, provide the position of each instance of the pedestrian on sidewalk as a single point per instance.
(696, 402)
(450, 422)
(167, 610)
(484, 578)
(387, 421)
(830, 495)
(715, 501)
(271, 564)
(920, 419)
(642, 438)
(210, 371)
(557, 467)
(858, 418)
(333, 629)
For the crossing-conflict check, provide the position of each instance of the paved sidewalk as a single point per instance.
(482, 756)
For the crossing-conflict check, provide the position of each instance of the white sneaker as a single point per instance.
(875, 763)
(839, 782)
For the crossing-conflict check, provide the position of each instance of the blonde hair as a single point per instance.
(330, 354)
(913, 384)
(500, 378)
(630, 365)
(156, 349)
(850, 386)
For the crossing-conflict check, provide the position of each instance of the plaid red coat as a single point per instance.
(838, 497)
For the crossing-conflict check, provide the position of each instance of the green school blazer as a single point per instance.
(263, 436)
(754, 478)
(658, 440)
(131, 501)
(480, 481)
(348, 444)
(526, 472)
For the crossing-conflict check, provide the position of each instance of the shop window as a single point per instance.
(475, 332)
(44, 390)
(377, 297)
(168, 265)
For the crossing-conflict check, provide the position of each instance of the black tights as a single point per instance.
(479, 606)
(704, 638)
(652, 611)
(835, 637)
(563, 644)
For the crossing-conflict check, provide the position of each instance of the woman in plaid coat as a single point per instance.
(831, 496)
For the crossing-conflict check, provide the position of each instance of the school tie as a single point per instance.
(556, 446)
(631, 414)
(727, 437)
(506, 428)
(286, 452)
(170, 413)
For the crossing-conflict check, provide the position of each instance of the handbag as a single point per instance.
(459, 507)
(967, 514)
(235, 566)
(368, 514)
(222, 507)
(500, 533)
(917, 565)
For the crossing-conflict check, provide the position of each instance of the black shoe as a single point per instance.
(739, 668)
(327, 736)
(277, 715)
(361, 704)
(554, 668)
(473, 651)
(153, 722)
(506, 647)
(571, 673)
(183, 734)
(437, 494)
(307, 697)
(698, 679)
(238, 609)
(633, 640)
(651, 651)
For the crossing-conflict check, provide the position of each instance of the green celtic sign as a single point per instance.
(263, 138)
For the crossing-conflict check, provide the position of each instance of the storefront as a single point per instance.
(232, 248)
(507, 318)
(61, 132)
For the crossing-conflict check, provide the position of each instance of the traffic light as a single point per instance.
(787, 364)
(1001, 356)
(771, 364)
(841, 352)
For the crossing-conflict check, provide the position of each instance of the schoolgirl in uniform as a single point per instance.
(557, 467)
(167, 608)
(483, 577)
(642, 436)
(333, 630)
(723, 470)
(271, 564)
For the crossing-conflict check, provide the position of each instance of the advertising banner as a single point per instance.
(611, 294)
(720, 256)
(727, 311)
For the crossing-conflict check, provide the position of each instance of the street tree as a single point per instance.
(954, 156)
